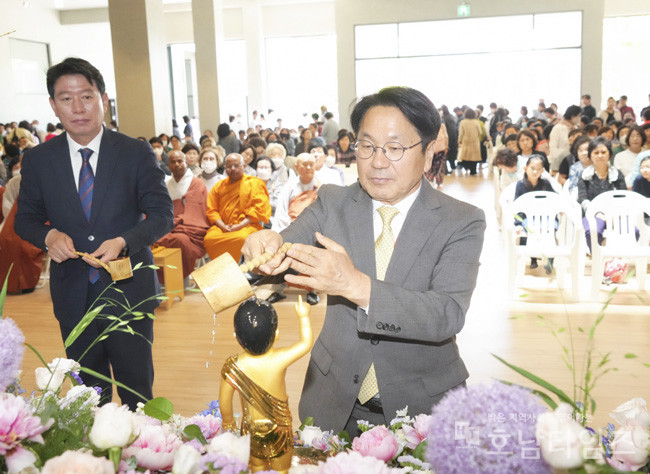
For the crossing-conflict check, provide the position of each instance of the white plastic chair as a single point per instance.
(566, 244)
(622, 212)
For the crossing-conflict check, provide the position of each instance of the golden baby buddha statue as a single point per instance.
(258, 375)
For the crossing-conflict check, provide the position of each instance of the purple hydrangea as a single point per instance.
(12, 349)
(227, 465)
(486, 428)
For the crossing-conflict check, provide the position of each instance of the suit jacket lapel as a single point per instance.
(362, 245)
(420, 223)
(62, 170)
(106, 162)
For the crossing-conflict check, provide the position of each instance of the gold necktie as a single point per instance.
(383, 251)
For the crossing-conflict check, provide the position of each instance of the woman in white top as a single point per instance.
(210, 160)
(626, 159)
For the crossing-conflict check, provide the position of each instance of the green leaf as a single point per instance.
(548, 400)
(110, 380)
(3, 292)
(137, 265)
(309, 421)
(194, 432)
(420, 450)
(629, 355)
(343, 435)
(159, 408)
(539, 381)
(82, 325)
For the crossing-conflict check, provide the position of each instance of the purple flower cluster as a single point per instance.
(486, 428)
(227, 465)
(12, 349)
(213, 409)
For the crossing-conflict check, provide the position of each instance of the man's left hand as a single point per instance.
(329, 270)
(107, 251)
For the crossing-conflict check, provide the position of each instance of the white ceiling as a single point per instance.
(82, 4)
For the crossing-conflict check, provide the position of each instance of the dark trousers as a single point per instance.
(129, 356)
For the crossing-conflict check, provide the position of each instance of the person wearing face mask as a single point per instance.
(324, 174)
(559, 139)
(189, 196)
(330, 162)
(210, 160)
(278, 154)
(159, 149)
(288, 141)
(266, 172)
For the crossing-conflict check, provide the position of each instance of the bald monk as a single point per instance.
(237, 206)
(189, 196)
(258, 374)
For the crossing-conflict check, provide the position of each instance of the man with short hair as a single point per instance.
(237, 207)
(187, 131)
(624, 108)
(89, 190)
(587, 108)
(559, 139)
(330, 129)
(189, 196)
(398, 260)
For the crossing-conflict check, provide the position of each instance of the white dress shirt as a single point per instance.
(75, 156)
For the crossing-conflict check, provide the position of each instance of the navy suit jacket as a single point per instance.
(129, 185)
(414, 313)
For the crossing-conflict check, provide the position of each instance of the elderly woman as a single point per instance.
(597, 179)
(192, 152)
(470, 135)
(278, 154)
(210, 160)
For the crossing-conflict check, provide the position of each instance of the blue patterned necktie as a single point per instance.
(86, 185)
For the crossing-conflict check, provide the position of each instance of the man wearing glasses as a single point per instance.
(398, 261)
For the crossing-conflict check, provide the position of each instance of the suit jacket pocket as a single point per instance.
(321, 357)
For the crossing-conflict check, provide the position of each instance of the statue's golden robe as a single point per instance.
(270, 437)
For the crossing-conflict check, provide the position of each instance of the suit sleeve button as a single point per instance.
(379, 326)
(356, 379)
(91, 237)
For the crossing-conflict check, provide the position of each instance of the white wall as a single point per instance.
(89, 41)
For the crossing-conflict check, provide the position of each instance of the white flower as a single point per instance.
(187, 460)
(49, 380)
(113, 427)
(309, 434)
(80, 391)
(231, 445)
(630, 447)
(52, 377)
(564, 442)
(632, 412)
(64, 365)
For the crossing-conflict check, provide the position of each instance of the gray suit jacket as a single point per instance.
(414, 314)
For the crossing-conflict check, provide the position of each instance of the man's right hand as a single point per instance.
(59, 246)
(267, 241)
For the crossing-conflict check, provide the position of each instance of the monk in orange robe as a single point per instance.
(237, 206)
(189, 196)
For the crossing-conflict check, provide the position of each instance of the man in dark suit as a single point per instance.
(398, 286)
(89, 190)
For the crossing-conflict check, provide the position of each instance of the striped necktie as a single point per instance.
(86, 185)
(383, 251)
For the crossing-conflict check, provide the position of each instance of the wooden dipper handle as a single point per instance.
(262, 259)
(96, 260)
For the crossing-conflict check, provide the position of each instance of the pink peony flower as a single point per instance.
(154, 448)
(378, 442)
(353, 463)
(417, 433)
(632, 412)
(78, 462)
(209, 425)
(16, 425)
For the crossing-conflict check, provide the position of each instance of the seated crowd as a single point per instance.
(227, 186)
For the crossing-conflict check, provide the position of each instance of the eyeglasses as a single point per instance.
(393, 151)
